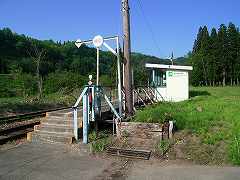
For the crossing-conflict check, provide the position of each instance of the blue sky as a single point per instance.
(174, 23)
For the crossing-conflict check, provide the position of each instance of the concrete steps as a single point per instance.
(57, 127)
(51, 137)
(54, 128)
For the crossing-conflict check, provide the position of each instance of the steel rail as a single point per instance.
(10, 119)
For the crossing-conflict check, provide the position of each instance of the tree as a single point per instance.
(37, 54)
(205, 53)
(201, 56)
(197, 42)
(233, 36)
(222, 52)
(213, 63)
(216, 58)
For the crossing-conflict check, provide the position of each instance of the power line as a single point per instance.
(149, 26)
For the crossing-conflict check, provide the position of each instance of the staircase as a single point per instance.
(56, 127)
(143, 97)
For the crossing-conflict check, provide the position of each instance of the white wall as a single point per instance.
(161, 93)
(177, 85)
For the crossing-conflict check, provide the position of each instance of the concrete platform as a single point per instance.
(67, 162)
(49, 161)
(168, 170)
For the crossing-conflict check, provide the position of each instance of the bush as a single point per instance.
(13, 85)
(63, 81)
(29, 84)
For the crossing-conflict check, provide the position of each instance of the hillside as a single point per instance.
(62, 65)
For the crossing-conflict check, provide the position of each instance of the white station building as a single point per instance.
(171, 82)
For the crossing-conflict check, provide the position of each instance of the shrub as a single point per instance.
(63, 81)
(20, 84)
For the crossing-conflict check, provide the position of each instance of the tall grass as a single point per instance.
(213, 113)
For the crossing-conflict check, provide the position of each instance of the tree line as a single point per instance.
(216, 56)
(29, 66)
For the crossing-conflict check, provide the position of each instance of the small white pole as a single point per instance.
(170, 129)
(93, 100)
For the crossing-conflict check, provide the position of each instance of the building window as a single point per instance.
(158, 78)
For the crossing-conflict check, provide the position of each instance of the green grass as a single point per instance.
(100, 143)
(161, 147)
(212, 113)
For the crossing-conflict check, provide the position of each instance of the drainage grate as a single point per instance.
(129, 153)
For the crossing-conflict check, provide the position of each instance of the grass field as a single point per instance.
(211, 115)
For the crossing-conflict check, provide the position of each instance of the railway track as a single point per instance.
(12, 127)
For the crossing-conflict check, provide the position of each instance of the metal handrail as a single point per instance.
(80, 97)
(75, 107)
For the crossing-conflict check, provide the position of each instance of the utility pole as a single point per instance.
(127, 61)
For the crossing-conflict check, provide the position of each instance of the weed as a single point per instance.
(234, 151)
(162, 147)
(99, 143)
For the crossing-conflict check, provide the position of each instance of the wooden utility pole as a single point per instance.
(127, 61)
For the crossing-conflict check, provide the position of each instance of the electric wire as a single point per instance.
(148, 24)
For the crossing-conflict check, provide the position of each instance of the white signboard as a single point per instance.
(176, 73)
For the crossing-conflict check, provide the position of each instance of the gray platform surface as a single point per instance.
(175, 171)
(60, 162)
(46, 161)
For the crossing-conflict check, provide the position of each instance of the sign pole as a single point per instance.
(97, 83)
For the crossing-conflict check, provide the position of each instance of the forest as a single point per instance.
(30, 67)
(216, 56)
(36, 67)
